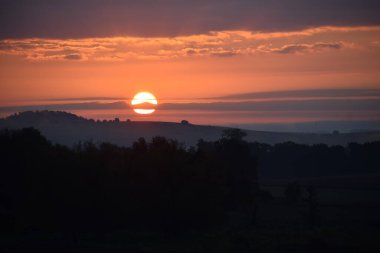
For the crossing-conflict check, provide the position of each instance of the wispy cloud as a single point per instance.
(83, 99)
(304, 48)
(281, 105)
(311, 93)
(212, 44)
(364, 105)
(68, 106)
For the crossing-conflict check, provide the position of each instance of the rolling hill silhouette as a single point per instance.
(68, 129)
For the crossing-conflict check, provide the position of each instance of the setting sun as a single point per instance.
(144, 103)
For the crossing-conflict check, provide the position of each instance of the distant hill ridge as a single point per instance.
(68, 129)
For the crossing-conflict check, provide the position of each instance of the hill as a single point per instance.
(68, 129)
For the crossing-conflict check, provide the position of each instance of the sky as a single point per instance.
(241, 62)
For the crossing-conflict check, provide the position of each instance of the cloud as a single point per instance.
(289, 49)
(269, 95)
(302, 105)
(83, 99)
(365, 105)
(314, 31)
(304, 48)
(63, 54)
(312, 93)
(72, 57)
(68, 106)
(212, 44)
(170, 18)
(338, 45)
(225, 54)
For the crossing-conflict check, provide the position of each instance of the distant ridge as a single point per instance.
(68, 129)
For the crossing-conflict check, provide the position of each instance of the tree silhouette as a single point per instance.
(156, 186)
(233, 134)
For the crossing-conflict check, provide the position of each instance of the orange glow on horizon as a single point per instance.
(55, 73)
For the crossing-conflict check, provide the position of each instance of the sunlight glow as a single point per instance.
(144, 111)
(143, 99)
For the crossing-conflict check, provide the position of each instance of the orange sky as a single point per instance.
(96, 77)
(186, 67)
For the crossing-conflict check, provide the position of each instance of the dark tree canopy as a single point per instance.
(155, 185)
(233, 134)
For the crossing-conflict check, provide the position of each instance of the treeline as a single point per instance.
(155, 185)
(291, 160)
(151, 186)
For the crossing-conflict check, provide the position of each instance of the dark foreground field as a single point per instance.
(280, 227)
(158, 196)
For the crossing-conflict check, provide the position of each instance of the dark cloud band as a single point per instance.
(96, 18)
(364, 105)
(311, 93)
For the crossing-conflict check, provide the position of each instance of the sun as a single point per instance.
(144, 103)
